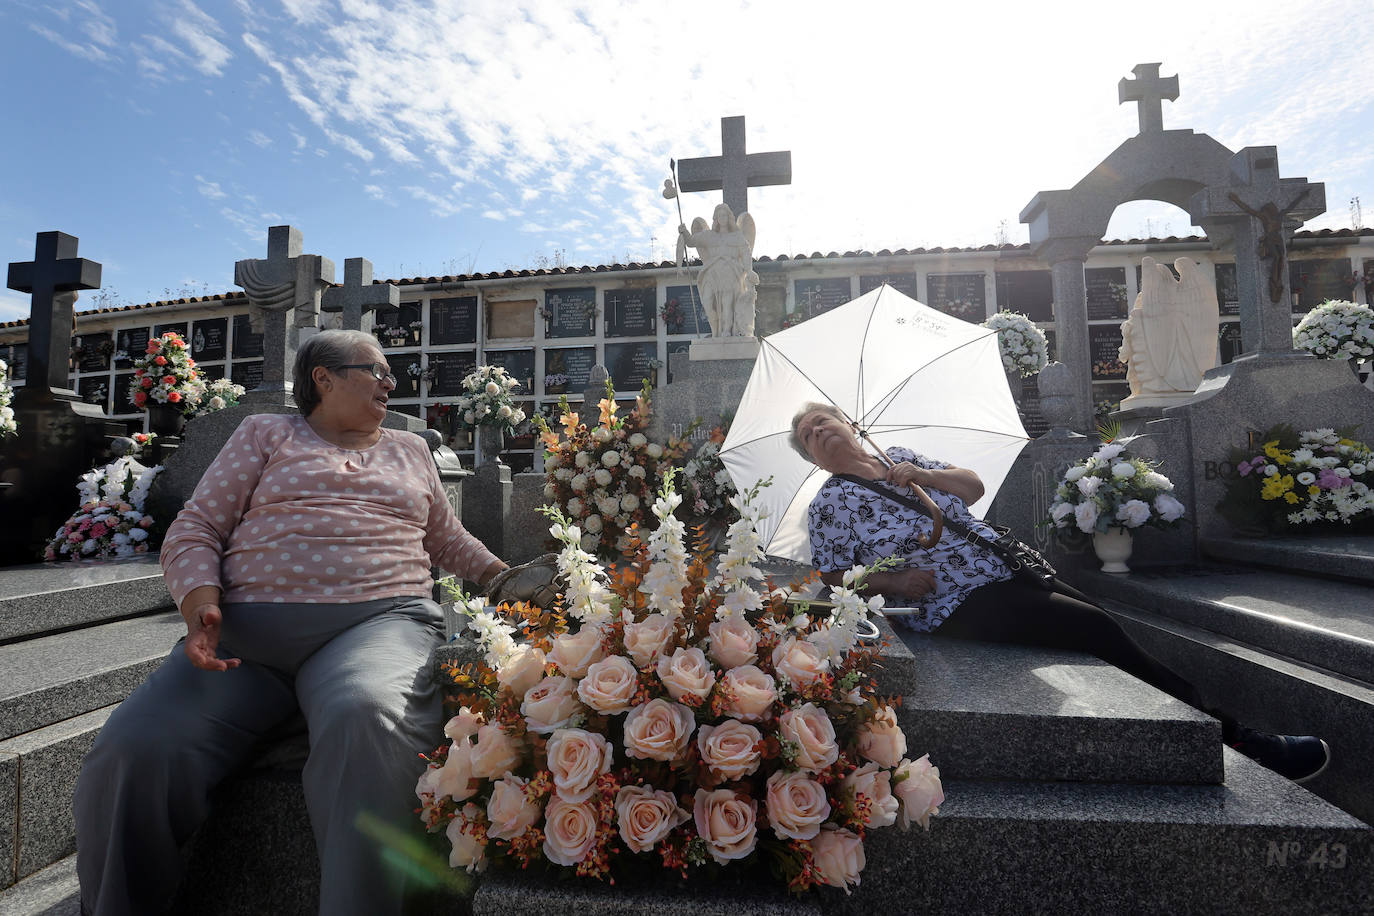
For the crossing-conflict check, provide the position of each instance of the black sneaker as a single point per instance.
(1296, 757)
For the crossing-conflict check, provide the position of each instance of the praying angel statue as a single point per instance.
(1170, 339)
(727, 282)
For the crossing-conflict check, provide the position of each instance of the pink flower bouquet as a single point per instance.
(687, 718)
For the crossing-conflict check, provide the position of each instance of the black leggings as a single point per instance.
(1017, 612)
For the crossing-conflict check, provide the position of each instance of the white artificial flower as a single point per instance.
(1088, 485)
(1133, 513)
(1306, 478)
(1169, 508)
(1086, 515)
(1123, 470)
(1075, 472)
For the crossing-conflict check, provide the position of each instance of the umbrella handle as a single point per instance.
(937, 517)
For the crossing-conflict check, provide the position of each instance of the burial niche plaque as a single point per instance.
(567, 369)
(570, 312)
(1104, 347)
(249, 375)
(519, 365)
(1228, 341)
(631, 312)
(1228, 294)
(247, 345)
(449, 371)
(453, 321)
(682, 311)
(1030, 292)
(406, 368)
(511, 319)
(1319, 279)
(96, 350)
(962, 296)
(1106, 289)
(631, 363)
(208, 339)
(820, 294)
(19, 361)
(130, 344)
(902, 283)
(178, 326)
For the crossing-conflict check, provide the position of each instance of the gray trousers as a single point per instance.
(358, 673)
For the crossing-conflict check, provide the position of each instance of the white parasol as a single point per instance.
(903, 372)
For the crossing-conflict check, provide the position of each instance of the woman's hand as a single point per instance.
(911, 583)
(904, 474)
(202, 639)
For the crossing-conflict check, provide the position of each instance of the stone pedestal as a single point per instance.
(705, 387)
(487, 505)
(717, 348)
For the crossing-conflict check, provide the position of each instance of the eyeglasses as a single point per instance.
(377, 370)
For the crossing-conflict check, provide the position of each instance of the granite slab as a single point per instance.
(47, 597)
(1341, 557)
(55, 677)
(49, 760)
(50, 891)
(1319, 621)
(9, 815)
(1275, 694)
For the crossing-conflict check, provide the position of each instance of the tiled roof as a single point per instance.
(765, 259)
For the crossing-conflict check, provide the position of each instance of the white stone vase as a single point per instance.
(1113, 548)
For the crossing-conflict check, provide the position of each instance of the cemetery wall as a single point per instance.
(548, 328)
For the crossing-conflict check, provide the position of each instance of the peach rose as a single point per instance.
(875, 785)
(574, 653)
(646, 815)
(496, 752)
(686, 673)
(796, 805)
(812, 734)
(610, 685)
(658, 730)
(646, 640)
(569, 831)
(576, 759)
(799, 661)
(550, 704)
(749, 693)
(730, 750)
(455, 777)
(463, 726)
(881, 739)
(468, 851)
(727, 821)
(522, 670)
(733, 642)
(917, 786)
(510, 810)
(839, 857)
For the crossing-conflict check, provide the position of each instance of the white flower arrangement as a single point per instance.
(111, 521)
(1023, 345)
(8, 425)
(219, 394)
(1111, 489)
(486, 399)
(1337, 329)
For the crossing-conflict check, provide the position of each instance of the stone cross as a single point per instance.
(284, 296)
(1150, 90)
(358, 296)
(1264, 209)
(734, 171)
(52, 278)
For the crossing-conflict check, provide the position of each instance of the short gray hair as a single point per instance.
(811, 407)
(330, 349)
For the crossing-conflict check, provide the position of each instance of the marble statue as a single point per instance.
(1170, 338)
(727, 282)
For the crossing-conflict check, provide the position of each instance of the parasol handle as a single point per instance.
(937, 517)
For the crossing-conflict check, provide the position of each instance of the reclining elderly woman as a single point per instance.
(955, 588)
(302, 567)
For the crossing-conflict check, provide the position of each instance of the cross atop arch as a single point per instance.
(1149, 90)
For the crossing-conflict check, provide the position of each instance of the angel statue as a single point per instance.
(1170, 338)
(727, 282)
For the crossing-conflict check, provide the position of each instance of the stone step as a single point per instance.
(1325, 557)
(50, 891)
(1269, 691)
(51, 678)
(38, 772)
(1321, 622)
(1257, 844)
(48, 597)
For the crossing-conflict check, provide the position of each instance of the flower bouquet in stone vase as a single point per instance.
(664, 719)
(1293, 482)
(165, 376)
(8, 425)
(111, 521)
(1024, 349)
(604, 477)
(487, 400)
(1338, 329)
(1110, 494)
(219, 394)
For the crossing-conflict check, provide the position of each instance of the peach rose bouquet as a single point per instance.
(665, 714)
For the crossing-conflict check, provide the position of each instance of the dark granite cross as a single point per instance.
(1264, 209)
(734, 171)
(1150, 90)
(52, 277)
(358, 295)
(284, 293)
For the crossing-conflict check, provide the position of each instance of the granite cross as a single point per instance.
(734, 171)
(358, 295)
(1264, 210)
(1150, 90)
(284, 295)
(52, 277)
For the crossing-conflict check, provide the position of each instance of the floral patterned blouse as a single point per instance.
(851, 525)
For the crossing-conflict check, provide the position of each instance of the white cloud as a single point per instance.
(258, 138)
(210, 189)
(493, 215)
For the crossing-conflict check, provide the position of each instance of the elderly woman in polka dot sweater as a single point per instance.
(302, 566)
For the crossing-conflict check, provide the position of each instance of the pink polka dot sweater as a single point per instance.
(283, 516)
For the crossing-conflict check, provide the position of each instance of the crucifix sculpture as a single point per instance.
(1149, 90)
(735, 171)
(52, 278)
(284, 296)
(358, 296)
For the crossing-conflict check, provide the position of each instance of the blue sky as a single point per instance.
(436, 136)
